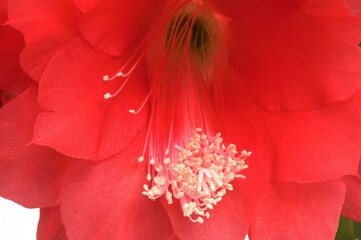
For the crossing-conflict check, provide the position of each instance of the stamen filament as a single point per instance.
(143, 103)
(193, 17)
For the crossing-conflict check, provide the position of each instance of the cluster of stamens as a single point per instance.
(200, 175)
(197, 170)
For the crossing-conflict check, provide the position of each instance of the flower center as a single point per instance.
(187, 159)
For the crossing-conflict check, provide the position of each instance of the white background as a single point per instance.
(17, 222)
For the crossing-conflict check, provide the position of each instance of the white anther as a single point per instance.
(169, 197)
(107, 96)
(132, 111)
(179, 195)
(152, 161)
(149, 177)
(244, 153)
(220, 193)
(166, 161)
(198, 212)
(244, 167)
(105, 78)
(141, 159)
(119, 74)
(156, 191)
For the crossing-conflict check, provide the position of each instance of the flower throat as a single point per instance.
(187, 159)
(199, 42)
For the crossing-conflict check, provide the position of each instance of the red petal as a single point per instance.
(358, 100)
(354, 6)
(174, 237)
(242, 131)
(234, 8)
(297, 59)
(46, 25)
(104, 200)
(72, 90)
(352, 206)
(299, 211)
(114, 26)
(50, 226)
(5, 97)
(321, 144)
(3, 10)
(86, 5)
(29, 175)
(301, 146)
(12, 77)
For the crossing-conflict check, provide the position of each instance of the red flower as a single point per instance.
(275, 78)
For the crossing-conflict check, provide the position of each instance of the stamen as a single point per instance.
(143, 104)
(201, 175)
(109, 95)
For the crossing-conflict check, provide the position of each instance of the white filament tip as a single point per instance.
(119, 74)
(105, 78)
(107, 96)
(132, 111)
